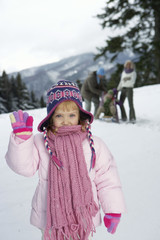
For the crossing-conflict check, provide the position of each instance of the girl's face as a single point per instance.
(65, 116)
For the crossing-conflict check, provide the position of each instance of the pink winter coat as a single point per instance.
(26, 157)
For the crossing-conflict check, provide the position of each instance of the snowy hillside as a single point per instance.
(40, 78)
(136, 148)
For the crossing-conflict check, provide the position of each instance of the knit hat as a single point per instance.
(101, 71)
(64, 90)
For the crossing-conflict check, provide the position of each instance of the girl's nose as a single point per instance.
(65, 121)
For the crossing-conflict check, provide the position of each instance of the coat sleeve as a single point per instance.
(22, 156)
(119, 87)
(107, 181)
(129, 83)
(133, 79)
(92, 86)
(104, 85)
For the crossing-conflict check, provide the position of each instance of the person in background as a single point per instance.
(108, 105)
(79, 83)
(126, 85)
(92, 89)
(77, 173)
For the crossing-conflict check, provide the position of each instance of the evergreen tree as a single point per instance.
(2, 101)
(14, 96)
(35, 102)
(22, 94)
(138, 22)
(3, 108)
(115, 77)
(42, 102)
(5, 92)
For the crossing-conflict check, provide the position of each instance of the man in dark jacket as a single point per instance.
(92, 89)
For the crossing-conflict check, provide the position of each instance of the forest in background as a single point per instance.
(135, 25)
(14, 95)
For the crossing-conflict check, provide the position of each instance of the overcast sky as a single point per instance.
(37, 32)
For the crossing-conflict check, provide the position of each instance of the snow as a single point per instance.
(53, 75)
(136, 148)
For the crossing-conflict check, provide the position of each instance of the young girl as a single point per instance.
(77, 173)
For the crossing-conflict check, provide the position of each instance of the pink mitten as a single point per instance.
(22, 124)
(111, 221)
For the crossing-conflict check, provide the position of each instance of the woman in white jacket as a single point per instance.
(126, 85)
(76, 177)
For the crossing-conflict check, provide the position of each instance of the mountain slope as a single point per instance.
(39, 79)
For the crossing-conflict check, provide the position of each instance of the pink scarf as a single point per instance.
(70, 203)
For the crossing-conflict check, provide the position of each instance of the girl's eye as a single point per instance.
(58, 116)
(72, 115)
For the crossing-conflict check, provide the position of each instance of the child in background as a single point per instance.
(108, 105)
(77, 172)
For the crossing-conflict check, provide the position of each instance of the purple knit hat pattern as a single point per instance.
(64, 90)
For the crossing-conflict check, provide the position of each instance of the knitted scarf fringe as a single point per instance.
(73, 230)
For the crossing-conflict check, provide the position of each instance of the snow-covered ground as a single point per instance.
(136, 148)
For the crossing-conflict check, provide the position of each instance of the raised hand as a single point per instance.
(22, 124)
